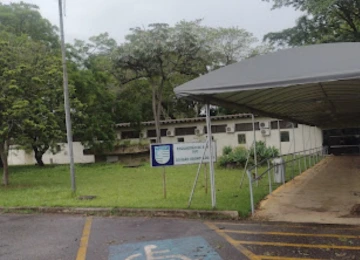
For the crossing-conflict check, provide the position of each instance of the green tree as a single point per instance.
(15, 108)
(23, 18)
(324, 21)
(90, 73)
(44, 127)
(157, 54)
(40, 75)
(93, 120)
(229, 45)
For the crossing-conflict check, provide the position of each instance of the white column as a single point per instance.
(211, 164)
(278, 122)
(255, 155)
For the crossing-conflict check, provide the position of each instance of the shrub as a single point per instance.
(224, 161)
(239, 156)
(236, 157)
(263, 152)
(233, 157)
(227, 150)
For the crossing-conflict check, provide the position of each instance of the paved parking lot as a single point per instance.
(94, 238)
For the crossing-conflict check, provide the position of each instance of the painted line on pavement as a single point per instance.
(260, 224)
(81, 254)
(266, 257)
(296, 245)
(288, 234)
(250, 255)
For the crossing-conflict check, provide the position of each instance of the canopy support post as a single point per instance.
(255, 155)
(211, 164)
(278, 123)
(197, 175)
(315, 144)
(294, 148)
(310, 147)
(304, 145)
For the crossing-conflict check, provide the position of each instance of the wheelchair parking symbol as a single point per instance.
(192, 248)
(152, 254)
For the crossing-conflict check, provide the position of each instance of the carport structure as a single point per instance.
(315, 85)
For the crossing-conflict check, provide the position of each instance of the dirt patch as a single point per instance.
(87, 197)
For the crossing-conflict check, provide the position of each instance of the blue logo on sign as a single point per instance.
(162, 155)
(192, 248)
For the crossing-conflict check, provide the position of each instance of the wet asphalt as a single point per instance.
(67, 237)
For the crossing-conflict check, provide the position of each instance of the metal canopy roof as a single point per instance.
(315, 85)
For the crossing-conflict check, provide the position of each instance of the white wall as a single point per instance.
(62, 157)
(20, 157)
(231, 139)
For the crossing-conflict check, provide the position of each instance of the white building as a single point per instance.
(21, 157)
(233, 130)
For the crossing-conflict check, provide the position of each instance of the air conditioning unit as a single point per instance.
(143, 135)
(199, 131)
(230, 129)
(265, 125)
(170, 133)
(265, 132)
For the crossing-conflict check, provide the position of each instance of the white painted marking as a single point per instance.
(150, 254)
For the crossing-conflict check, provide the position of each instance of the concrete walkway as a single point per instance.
(324, 194)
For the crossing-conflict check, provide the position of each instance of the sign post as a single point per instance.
(206, 181)
(164, 182)
(163, 155)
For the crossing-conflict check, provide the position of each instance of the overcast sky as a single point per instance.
(86, 18)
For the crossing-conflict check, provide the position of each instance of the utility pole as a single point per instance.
(66, 99)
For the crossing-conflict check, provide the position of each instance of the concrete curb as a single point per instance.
(193, 214)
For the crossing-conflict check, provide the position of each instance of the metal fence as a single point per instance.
(294, 163)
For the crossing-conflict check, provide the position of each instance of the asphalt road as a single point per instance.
(66, 237)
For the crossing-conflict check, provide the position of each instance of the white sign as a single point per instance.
(191, 153)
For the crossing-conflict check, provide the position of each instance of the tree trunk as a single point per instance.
(38, 156)
(39, 161)
(4, 160)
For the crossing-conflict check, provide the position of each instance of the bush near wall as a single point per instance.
(236, 157)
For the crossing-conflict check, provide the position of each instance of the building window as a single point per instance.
(185, 130)
(283, 125)
(274, 124)
(245, 127)
(58, 148)
(216, 129)
(152, 132)
(284, 136)
(181, 140)
(242, 139)
(87, 152)
(129, 134)
(153, 141)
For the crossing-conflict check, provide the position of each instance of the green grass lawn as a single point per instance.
(116, 186)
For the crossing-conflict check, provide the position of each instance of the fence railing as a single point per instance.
(294, 163)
